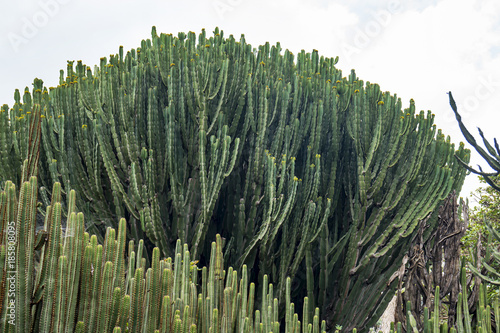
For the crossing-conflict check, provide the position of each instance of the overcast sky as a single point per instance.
(416, 49)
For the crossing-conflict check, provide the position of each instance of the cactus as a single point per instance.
(483, 270)
(288, 160)
(482, 323)
(79, 285)
(491, 156)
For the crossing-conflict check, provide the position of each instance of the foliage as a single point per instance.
(290, 161)
(488, 208)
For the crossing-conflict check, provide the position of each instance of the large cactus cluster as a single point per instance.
(305, 173)
(54, 281)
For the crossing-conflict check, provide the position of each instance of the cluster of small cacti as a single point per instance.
(188, 137)
(68, 282)
(486, 318)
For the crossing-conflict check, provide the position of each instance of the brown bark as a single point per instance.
(437, 262)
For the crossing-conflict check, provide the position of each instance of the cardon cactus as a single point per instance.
(304, 172)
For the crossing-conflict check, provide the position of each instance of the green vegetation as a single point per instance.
(478, 239)
(481, 257)
(482, 237)
(487, 314)
(486, 210)
(304, 173)
(55, 282)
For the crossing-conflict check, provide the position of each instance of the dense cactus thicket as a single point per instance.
(55, 281)
(304, 172)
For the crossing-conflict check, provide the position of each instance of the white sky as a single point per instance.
(416, 49)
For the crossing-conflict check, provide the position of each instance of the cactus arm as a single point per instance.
(470, 139)
(53, 255)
